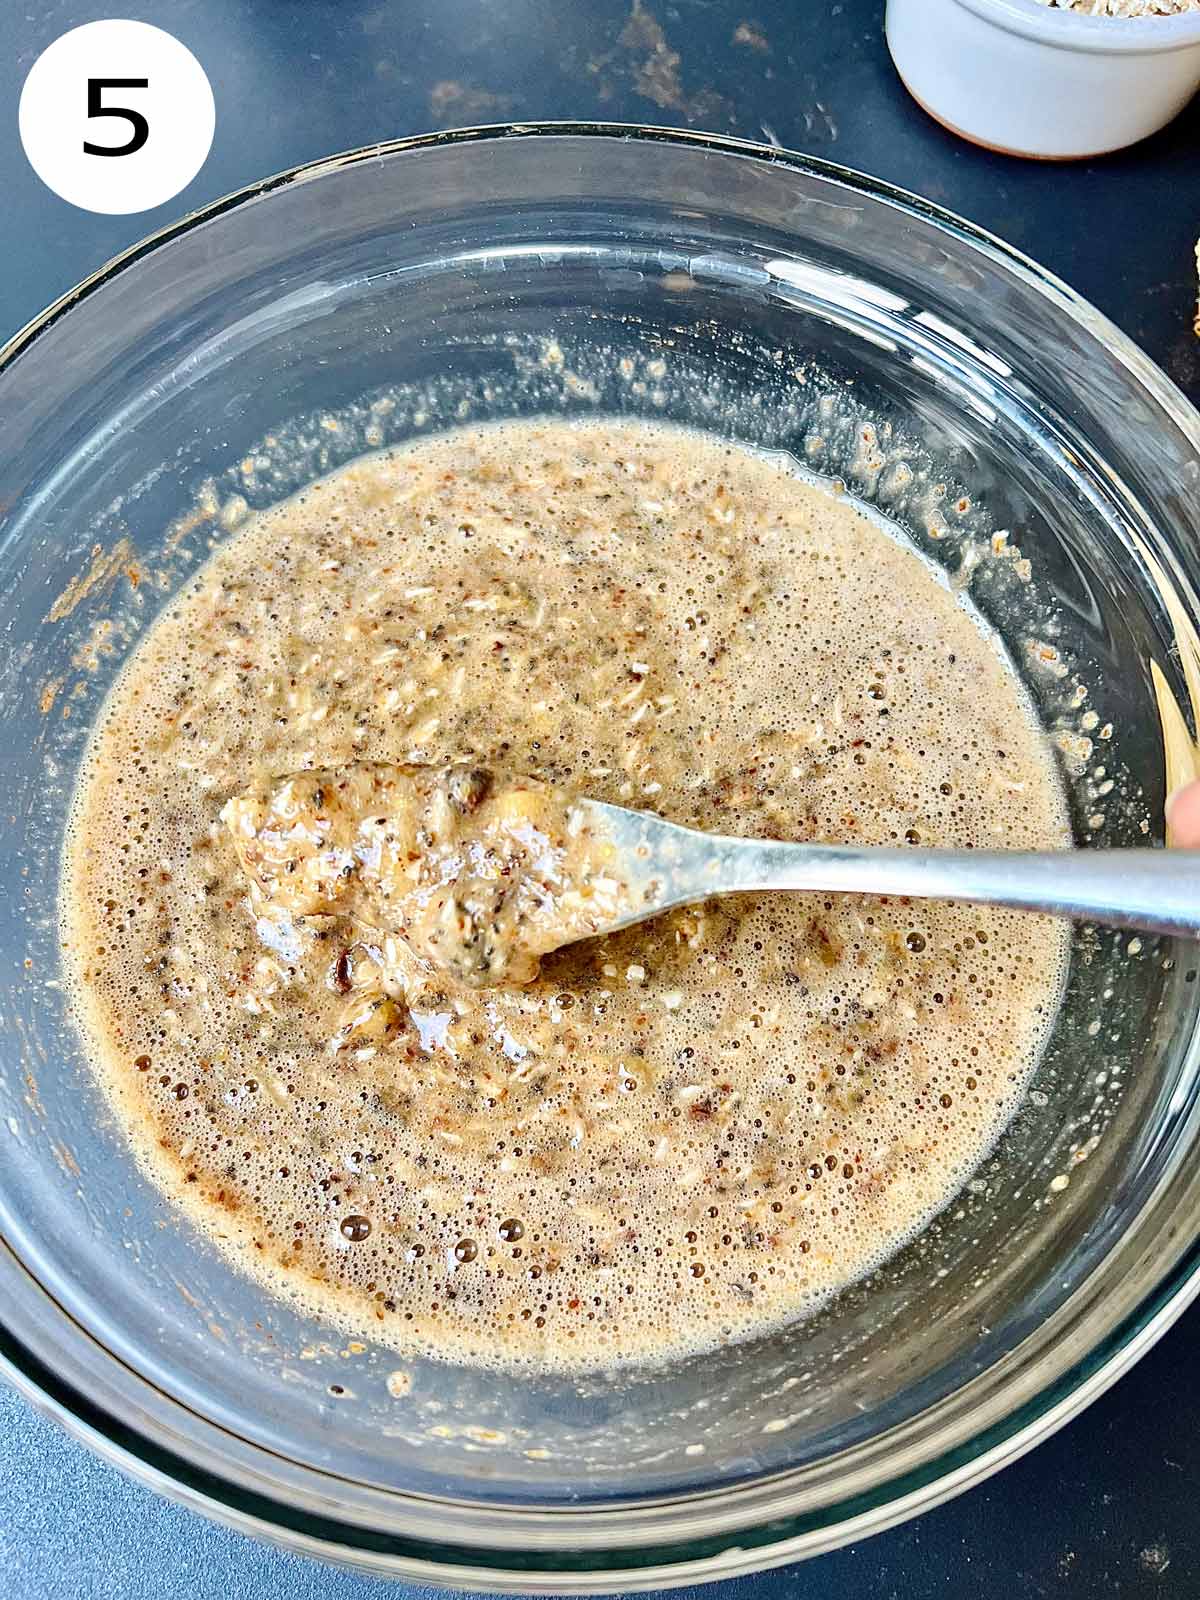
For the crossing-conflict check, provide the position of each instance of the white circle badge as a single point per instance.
(116, 116)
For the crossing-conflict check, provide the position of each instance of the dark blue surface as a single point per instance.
(1108, 1507)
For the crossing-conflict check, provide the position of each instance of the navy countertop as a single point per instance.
(1107, 1507)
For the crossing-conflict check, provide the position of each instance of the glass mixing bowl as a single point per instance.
(777, 300)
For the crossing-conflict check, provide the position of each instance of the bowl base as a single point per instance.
(999, 149)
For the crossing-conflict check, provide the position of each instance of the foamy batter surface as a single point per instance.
(680, 1135)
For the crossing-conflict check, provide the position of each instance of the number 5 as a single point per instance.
(135, 119)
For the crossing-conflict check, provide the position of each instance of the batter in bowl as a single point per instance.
(653, 1143)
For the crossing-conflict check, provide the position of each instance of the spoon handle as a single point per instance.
(1157, 891)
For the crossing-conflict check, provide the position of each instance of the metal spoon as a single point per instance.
(665, 865)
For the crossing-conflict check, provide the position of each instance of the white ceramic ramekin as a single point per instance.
(1034, 80)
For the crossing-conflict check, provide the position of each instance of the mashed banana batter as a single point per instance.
(683, 1134)
(478, 879)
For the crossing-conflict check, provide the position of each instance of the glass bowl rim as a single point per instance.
(773, 1531)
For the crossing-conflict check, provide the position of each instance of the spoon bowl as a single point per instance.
(665, 865)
